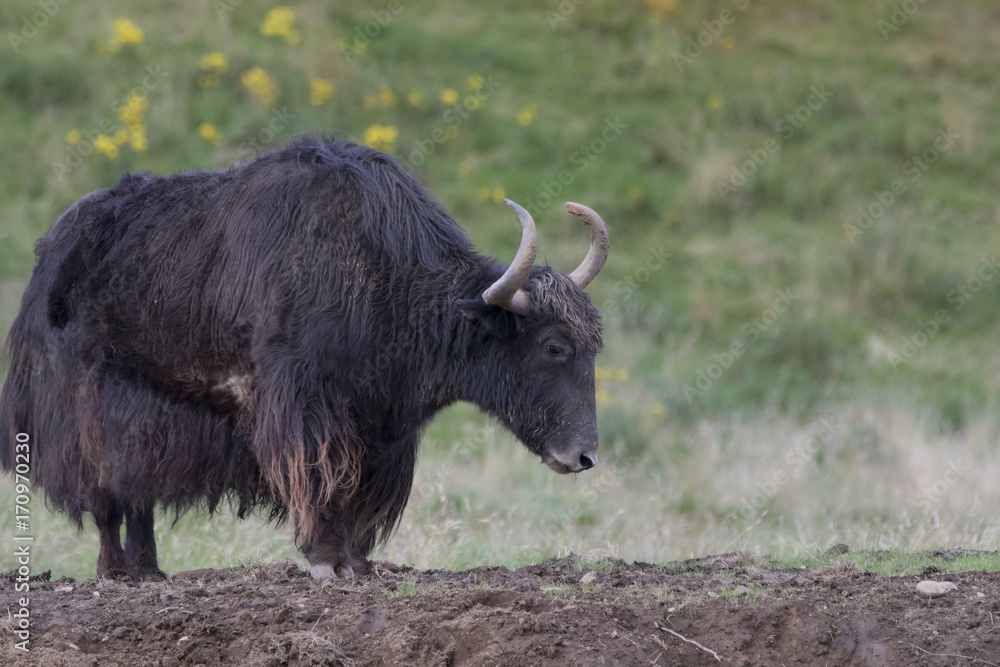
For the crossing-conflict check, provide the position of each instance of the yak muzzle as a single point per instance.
(575, 460)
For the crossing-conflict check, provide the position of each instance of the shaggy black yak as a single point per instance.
(277, 334)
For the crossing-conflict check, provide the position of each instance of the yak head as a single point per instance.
(533, 356)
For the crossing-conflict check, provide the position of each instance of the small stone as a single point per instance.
(934, 589)
(588, 578)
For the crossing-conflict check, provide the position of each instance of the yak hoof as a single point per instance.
(149, 574)
(112, 573)
(327, 571)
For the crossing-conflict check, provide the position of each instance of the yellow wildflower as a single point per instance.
(415, 98)
(381, 137)
(106, 145)
(278, 23)
(320, 91)
(259, 83)
(475, 82)
(449, 96)
(527, 114)
(660, 8)
(656, 409)
(137, 138)
(125, 33)
(607, 373)
(714, 102)
(369, 100)
(728, 43)
(134, 109)
(386, 97)
(483, 193)
(636, 197)
(604, 396)
(208, 80)
(498, 195)
(214, 62)
(73, 137)
(121, 137)
(210, 133)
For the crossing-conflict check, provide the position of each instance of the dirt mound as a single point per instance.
(565, 611)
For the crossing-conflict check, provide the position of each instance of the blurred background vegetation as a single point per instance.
(801, 198)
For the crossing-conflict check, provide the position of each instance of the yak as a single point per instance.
(275, 336)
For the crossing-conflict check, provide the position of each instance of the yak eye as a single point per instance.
(555, 350)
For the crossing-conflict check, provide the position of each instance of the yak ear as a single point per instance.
(491, 320)
(475, 309)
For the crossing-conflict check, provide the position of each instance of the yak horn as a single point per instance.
(599, 245)
(506, 292)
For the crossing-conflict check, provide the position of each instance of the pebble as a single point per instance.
(588, 578)
(934, 589)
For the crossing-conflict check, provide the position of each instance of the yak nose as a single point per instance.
(577, 461)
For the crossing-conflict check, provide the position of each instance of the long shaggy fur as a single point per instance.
(276, 334)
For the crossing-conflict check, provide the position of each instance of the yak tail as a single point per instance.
(36, 331)
(309, 455)
(15, 412)
(34, 335)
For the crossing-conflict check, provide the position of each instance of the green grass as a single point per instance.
(903, 562)
(687, 436)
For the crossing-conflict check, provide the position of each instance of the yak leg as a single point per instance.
(386, 479)
(347, 534)
(328, 553)
(108, 517)
(140, 544)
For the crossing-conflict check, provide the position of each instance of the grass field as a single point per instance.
(801, 201)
